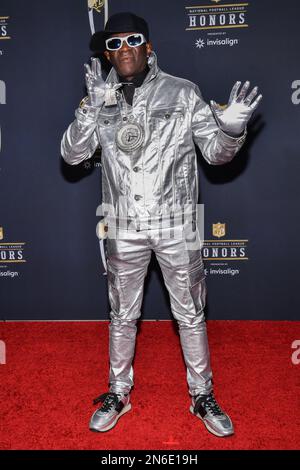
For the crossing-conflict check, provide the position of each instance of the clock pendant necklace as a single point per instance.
(130, 134)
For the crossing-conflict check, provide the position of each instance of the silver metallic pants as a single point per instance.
(180, 260)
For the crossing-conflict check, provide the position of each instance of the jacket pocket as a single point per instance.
(167, 113)
(186, 168)
(108, 120)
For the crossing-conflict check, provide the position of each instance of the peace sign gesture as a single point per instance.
(94, 82)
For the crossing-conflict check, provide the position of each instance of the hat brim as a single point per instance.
(97, 41)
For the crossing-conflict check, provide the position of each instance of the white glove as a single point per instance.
(94, 83)
(234, 118)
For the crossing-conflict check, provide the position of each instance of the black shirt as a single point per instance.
(128, 88)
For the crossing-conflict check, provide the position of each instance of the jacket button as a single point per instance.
(135, 168)
(167, 115)
(137, 197)
(106, 121)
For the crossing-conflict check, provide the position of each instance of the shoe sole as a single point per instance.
(207, 425)
(110, 426)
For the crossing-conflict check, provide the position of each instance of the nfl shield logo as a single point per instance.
(219, 230)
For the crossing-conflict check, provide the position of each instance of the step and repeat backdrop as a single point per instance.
(50, 257)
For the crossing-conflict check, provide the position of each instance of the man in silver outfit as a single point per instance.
(147, 123)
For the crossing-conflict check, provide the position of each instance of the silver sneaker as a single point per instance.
(113, 407)
(207, 409)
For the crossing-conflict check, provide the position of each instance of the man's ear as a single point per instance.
(107, 55)
(149, 47)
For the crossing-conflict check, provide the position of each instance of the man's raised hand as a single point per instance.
(234, 118)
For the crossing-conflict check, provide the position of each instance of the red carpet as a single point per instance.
(54, 370)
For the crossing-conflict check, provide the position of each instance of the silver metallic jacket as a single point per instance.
(160, 178)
